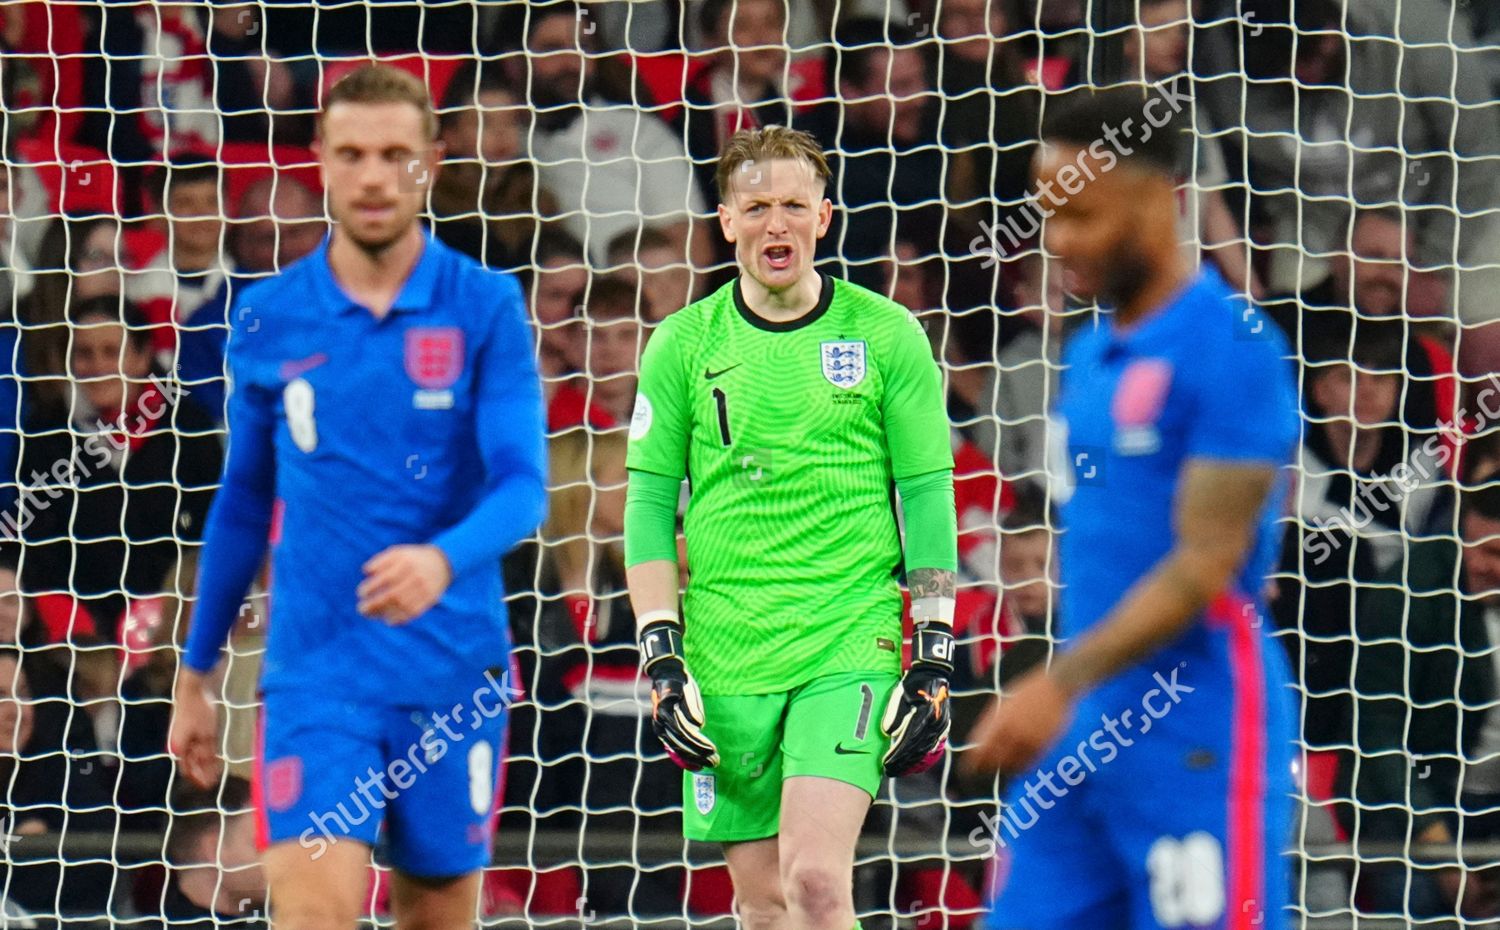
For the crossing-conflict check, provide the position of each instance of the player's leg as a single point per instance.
(326, 893)
(314, 824)
(1202, 806)
(833, 749)
(820, 823)
(755, 869)
(737, 803)
(434, 903)
(443, 768)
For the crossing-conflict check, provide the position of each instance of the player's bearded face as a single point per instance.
(1094, 232)
(776, 215)
(377, 166)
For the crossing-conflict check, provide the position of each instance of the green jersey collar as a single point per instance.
(825, 298)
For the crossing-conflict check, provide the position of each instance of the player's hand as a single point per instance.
(403, 582)
(916, 716)
(676, 704)
(1018, 728)
(193, 735)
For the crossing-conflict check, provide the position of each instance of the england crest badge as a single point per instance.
(844, 363)
(434, 356)
(434, 361)
(703, 792)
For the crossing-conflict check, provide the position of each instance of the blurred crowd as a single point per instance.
(1344, 173)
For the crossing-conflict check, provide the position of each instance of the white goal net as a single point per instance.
(1344, 171)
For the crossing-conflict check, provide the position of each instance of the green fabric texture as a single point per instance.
(650, 517)
(931, 520)
(793, 434)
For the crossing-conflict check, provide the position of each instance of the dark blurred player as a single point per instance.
(1150, 762)
(386, 397)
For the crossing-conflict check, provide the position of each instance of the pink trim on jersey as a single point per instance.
(1246, 854)
(257, 783)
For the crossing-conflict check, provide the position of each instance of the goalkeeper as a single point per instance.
(794, 400)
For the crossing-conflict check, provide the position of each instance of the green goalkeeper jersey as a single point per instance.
(791, 436)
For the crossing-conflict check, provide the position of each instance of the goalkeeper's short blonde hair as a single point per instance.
(751, 146)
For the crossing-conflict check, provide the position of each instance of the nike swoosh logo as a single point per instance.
(710, 375)
(839, 749)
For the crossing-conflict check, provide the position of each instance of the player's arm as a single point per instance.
(234, 545)
(657, 461)
(404, 581)
(1218, 507)
(1217, 511)
(916, 428)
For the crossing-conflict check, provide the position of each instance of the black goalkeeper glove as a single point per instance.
(676, 704)
(916, 717)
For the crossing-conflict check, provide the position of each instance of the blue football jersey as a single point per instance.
(423, 426)
(1205, 377)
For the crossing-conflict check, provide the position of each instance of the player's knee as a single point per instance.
(817, 893)
(762, 913)
(312, 915)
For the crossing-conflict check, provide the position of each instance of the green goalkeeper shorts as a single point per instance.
(829, 727)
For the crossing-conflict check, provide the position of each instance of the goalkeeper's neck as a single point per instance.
(782, 305)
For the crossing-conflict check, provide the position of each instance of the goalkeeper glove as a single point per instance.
(676, 704)
(916, 717)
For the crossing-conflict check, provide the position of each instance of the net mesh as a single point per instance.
(1344, 170)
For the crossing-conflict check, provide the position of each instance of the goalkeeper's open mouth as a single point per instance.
(778, 256)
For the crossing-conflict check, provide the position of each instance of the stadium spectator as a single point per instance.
(964, 350)
(1157, 50)
(148, 82)
(185, 290)
(1025, 381)
(279, 221)
(1367, 290)
(988, 123)
(52, 782)
(11, 313)
(80, 259)
(1365, 491)
(880, 135)
(1481, 453)
(614, 346)
(611, 165)
(486, 201)
(215, 879)
(1487, 32)
(742, 87)
(667, 283)
(911, 278)
(1326, 123)
(604, 717)
(1426, 729)
(251, 88)
(119, 483)
(1015, 634)
(559, 279)
(611, 347)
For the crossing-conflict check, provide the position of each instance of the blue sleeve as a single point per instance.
(234, 539)
(1245, 405)
(512, 442)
